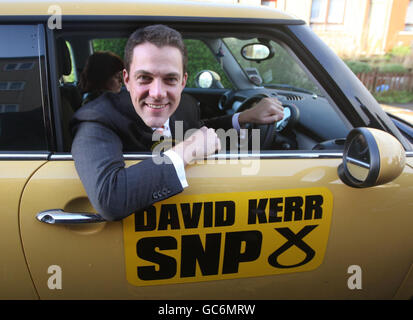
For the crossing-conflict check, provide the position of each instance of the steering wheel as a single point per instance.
(224, 99)
(266, 130)
(278, 135)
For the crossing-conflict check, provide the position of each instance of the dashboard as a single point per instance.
(316, 122)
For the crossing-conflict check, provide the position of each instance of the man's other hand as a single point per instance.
(200, 144)
(266, 111)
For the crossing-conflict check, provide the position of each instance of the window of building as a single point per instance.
(21, 104)
(18, 66)
(9, 108)
(26, 66)
(327, 12)
(12, 86)
(409, 17)
(10, 66)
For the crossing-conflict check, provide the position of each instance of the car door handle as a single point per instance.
(58, 216)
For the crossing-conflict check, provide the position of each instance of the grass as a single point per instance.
(394, 97)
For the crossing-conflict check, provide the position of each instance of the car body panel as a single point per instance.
(15, 281)
(409, 161)
(91, 269)
(141, 8)
(369, 228)
(406, 289)
(402, 113)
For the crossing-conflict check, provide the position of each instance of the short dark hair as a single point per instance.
(159, 35)
(99, 68)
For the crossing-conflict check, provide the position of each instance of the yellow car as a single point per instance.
(401, 113)
(322, 209)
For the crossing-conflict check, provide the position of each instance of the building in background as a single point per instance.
(351, 27)
(357, 27)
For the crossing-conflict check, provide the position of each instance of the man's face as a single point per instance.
(155, 82)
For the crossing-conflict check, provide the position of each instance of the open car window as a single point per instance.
(280, 71)
(312, 122)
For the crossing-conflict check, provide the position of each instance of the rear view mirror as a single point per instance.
(257, 51)
(371, 157)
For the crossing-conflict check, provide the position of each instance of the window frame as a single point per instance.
(4, 106)
(18, 66)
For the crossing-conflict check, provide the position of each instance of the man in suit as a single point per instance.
(155, 76)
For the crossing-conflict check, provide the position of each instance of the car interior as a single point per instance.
(228, 73)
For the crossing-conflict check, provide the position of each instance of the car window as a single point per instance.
(200, 57)
(281, 71)
(115, 45)
(72, 77)
(313, 120)
(21, 103)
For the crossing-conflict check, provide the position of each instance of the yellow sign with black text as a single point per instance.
(190, 238)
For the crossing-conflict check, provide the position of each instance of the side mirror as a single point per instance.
(371, 157)
(207, 79)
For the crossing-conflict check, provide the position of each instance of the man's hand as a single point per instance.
(200, 144)
(266, 111)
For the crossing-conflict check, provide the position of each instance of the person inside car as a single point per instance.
(154, 76)
(102, 72)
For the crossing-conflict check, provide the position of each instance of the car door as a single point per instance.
(269, 225)
(23, 145)
(250, 251)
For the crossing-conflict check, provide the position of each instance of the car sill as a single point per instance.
(271, 155)
(24, 156)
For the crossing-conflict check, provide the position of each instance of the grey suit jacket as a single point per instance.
(109, 126)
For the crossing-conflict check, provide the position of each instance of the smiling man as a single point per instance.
(155, 76)
(155, 82)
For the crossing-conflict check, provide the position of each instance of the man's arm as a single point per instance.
(115, 191)
(266, 111)
(201, 143)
